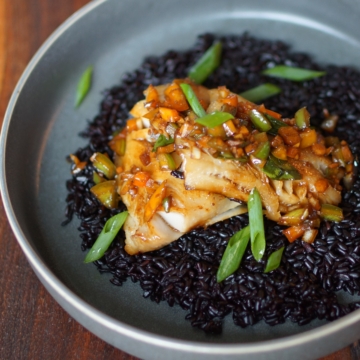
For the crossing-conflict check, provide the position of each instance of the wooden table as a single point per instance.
(32, 324)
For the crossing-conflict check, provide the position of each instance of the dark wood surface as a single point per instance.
(32, 324)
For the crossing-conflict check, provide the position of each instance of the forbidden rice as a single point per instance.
(308, 281)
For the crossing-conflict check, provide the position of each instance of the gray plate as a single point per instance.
(115, 36)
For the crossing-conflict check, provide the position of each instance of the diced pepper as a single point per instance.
(290, 135)
(308, 138)
(154, 202)
(321, 185)
(140, 178)
(131, 125)
(293, 233)
(170, 115)
(152, 97)
(176, 98)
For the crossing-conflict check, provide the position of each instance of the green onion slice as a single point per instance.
(275, 125)
(274, 260)
(331, 213)
(256, 221)
(193, 100)
(106, 237)
(263, 150)
(278, 169)
(83, 86)
(170, 161)
(259, 120)
(166, 204)
(261, 92)
(214, 119)
(103, 164)
(302, 118)
(293, 73)
(205, 66)
(233, 254)
(162, 140)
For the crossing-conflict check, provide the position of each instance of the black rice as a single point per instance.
(305, 286)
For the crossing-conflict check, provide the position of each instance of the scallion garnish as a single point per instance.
(261, 92)
(263, 150)
(83, 86)
(193, 100)
(275, 125)
(162, 140)
(302, 118)
(166, 204)
(331, 213)
(214, 119)
(293, 73)
(259, 120)
(106, 237)
(278, 169)
(104, 164)
(256, 222)
(206, 64)
(233, 254)
(274, 260)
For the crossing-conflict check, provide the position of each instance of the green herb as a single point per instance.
(331, 213)
(259, 120)
(263, 150)
(278, 169)
(275, 125)
(193, 100)
(97, 179)
(170, 162)
(274, 260)
(106, 193)
(206, 64)
(256, 222)
(302, 118)
(261, 92)
(166, 204)
(162, 140)
(106, 237)
(83, 86)
(102, 163)
(233, 254)
(293, 73)
(214, 119)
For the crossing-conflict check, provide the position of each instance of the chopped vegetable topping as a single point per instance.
(214, 119)
(206, 64)
(162, 141)
(226, 148)
(233, 254)
(193, 100)
(261, 92)
(293, 73)
(106, 237)
(256, 220)
(274, 260)
(102, 163)
(83, 86)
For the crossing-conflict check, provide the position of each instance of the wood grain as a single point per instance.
(32, 324)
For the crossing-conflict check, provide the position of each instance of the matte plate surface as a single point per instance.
(115, 36)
